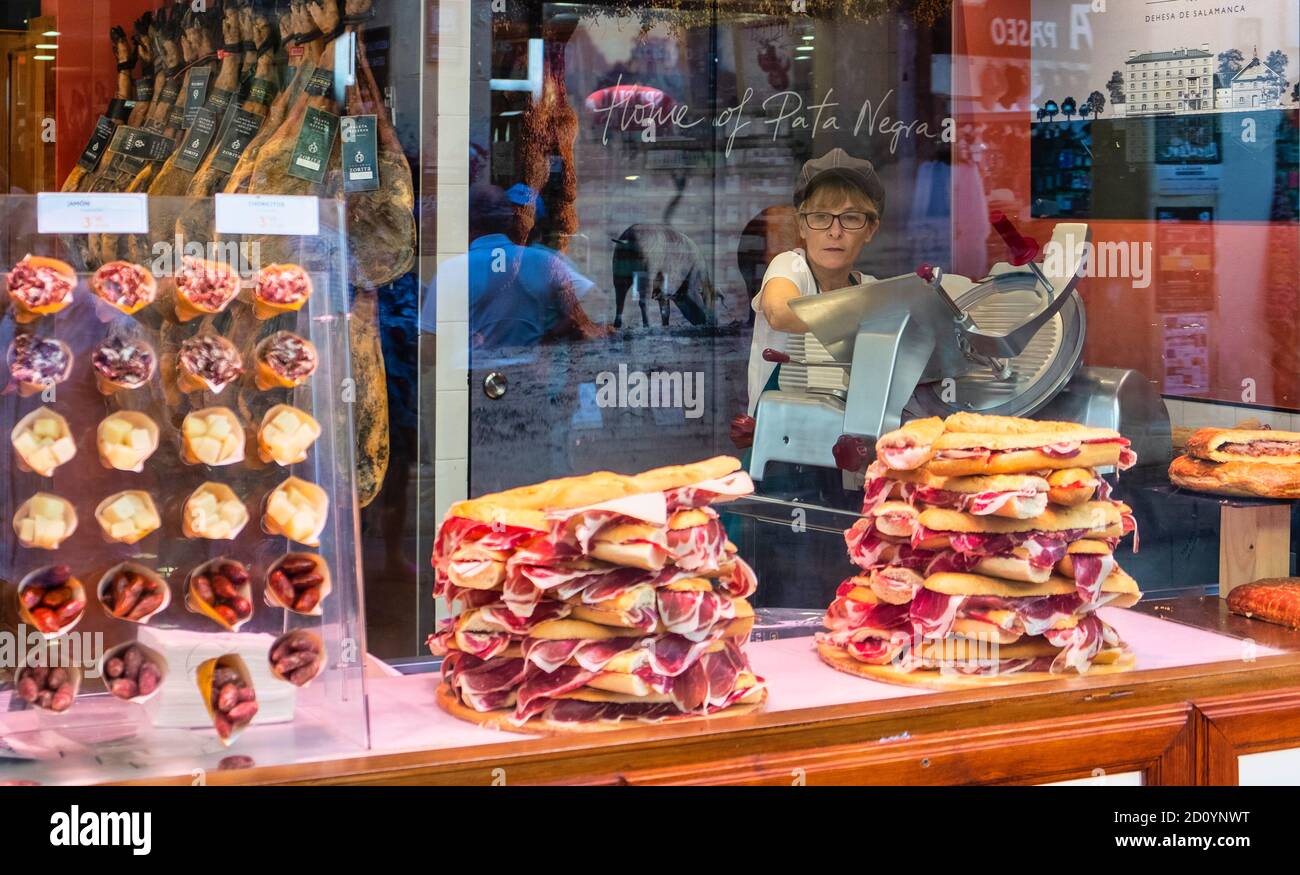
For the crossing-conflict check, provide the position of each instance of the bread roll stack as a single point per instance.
(597, 601)
(985, 547)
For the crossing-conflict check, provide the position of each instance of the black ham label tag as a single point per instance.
(311, 155)
(242, 127)
(143, 90)
(360, 152)
(219, 100)
(196, 93)
(198, 139)
(98, 145)
(141, 144)
(320, 83)
(120, 109)
(262, 92)
(171, 91)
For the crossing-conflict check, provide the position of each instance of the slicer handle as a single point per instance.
(1022, 249)
(775, 355)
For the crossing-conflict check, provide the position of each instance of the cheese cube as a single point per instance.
(280, 509)
(206, 450)
(27, 531)
(63, 449)
(120, 457)
(205, 502)
(232, 512)
(48, 532)
(115, 430)
(218, 427)
(219, 531)
(231, 446)
(48, 507)
(286, 421)
(303, 525)
(124, 529)
(140, 440)
(195, 427)
(42, 461)
(125, 508)
(26, 444)
(46, 426)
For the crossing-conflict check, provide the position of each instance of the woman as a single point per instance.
(839, 201)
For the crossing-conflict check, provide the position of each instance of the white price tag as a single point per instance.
(286, 215)
(58, 213)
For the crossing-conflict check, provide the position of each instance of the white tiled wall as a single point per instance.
(451, 412)
(1198, 414)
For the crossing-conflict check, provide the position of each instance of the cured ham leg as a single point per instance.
(173, 178)
(125, 52)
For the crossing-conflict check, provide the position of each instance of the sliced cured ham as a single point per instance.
(933, 613)
(692, 613)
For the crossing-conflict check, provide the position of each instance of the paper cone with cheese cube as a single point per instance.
(128, 517)
(43, 442)
(213, 512)
(126, 440)
(45, 521)
(297, 510)
(212, 436)
(286, 435)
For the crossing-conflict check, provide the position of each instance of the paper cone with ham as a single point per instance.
(591, 602)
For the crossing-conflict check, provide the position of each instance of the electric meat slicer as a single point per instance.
(929, 344)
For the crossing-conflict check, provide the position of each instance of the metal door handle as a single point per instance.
(495, 385)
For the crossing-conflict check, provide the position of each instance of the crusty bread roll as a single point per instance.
(1011, 461)
(448, 701)
(951, 583)
(1245, 479)
(1106, 662)
(1208, 443)
(526, 505)
(1274, 599)
(1095, 515)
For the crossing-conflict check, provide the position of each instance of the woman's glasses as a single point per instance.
(854, 220)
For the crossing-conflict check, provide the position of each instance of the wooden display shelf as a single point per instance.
(1183, 725)
(1254, 543)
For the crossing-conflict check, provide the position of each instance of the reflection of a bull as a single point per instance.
(667, 266)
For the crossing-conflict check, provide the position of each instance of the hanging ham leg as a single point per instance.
(173, 178)
(125, 53)
(382, 222)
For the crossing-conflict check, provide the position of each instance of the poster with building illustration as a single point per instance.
(1171, 57)
(1143, 104)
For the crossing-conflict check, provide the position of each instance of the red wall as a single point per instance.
(86, 68)
(1253, 324)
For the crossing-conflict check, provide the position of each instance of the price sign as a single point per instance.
(279, 215)
(58, 213)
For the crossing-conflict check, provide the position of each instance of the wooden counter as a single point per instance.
(1181, 725)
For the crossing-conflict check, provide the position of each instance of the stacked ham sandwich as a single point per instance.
(592, 601)
(985, 548)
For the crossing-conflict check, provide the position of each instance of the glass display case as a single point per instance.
(808, 250)
(145, 507)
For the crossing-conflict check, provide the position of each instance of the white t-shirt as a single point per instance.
(793, 266)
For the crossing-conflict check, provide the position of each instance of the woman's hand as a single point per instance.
(777, 294)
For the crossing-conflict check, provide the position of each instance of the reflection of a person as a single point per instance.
(519, 296)
(839, 200)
